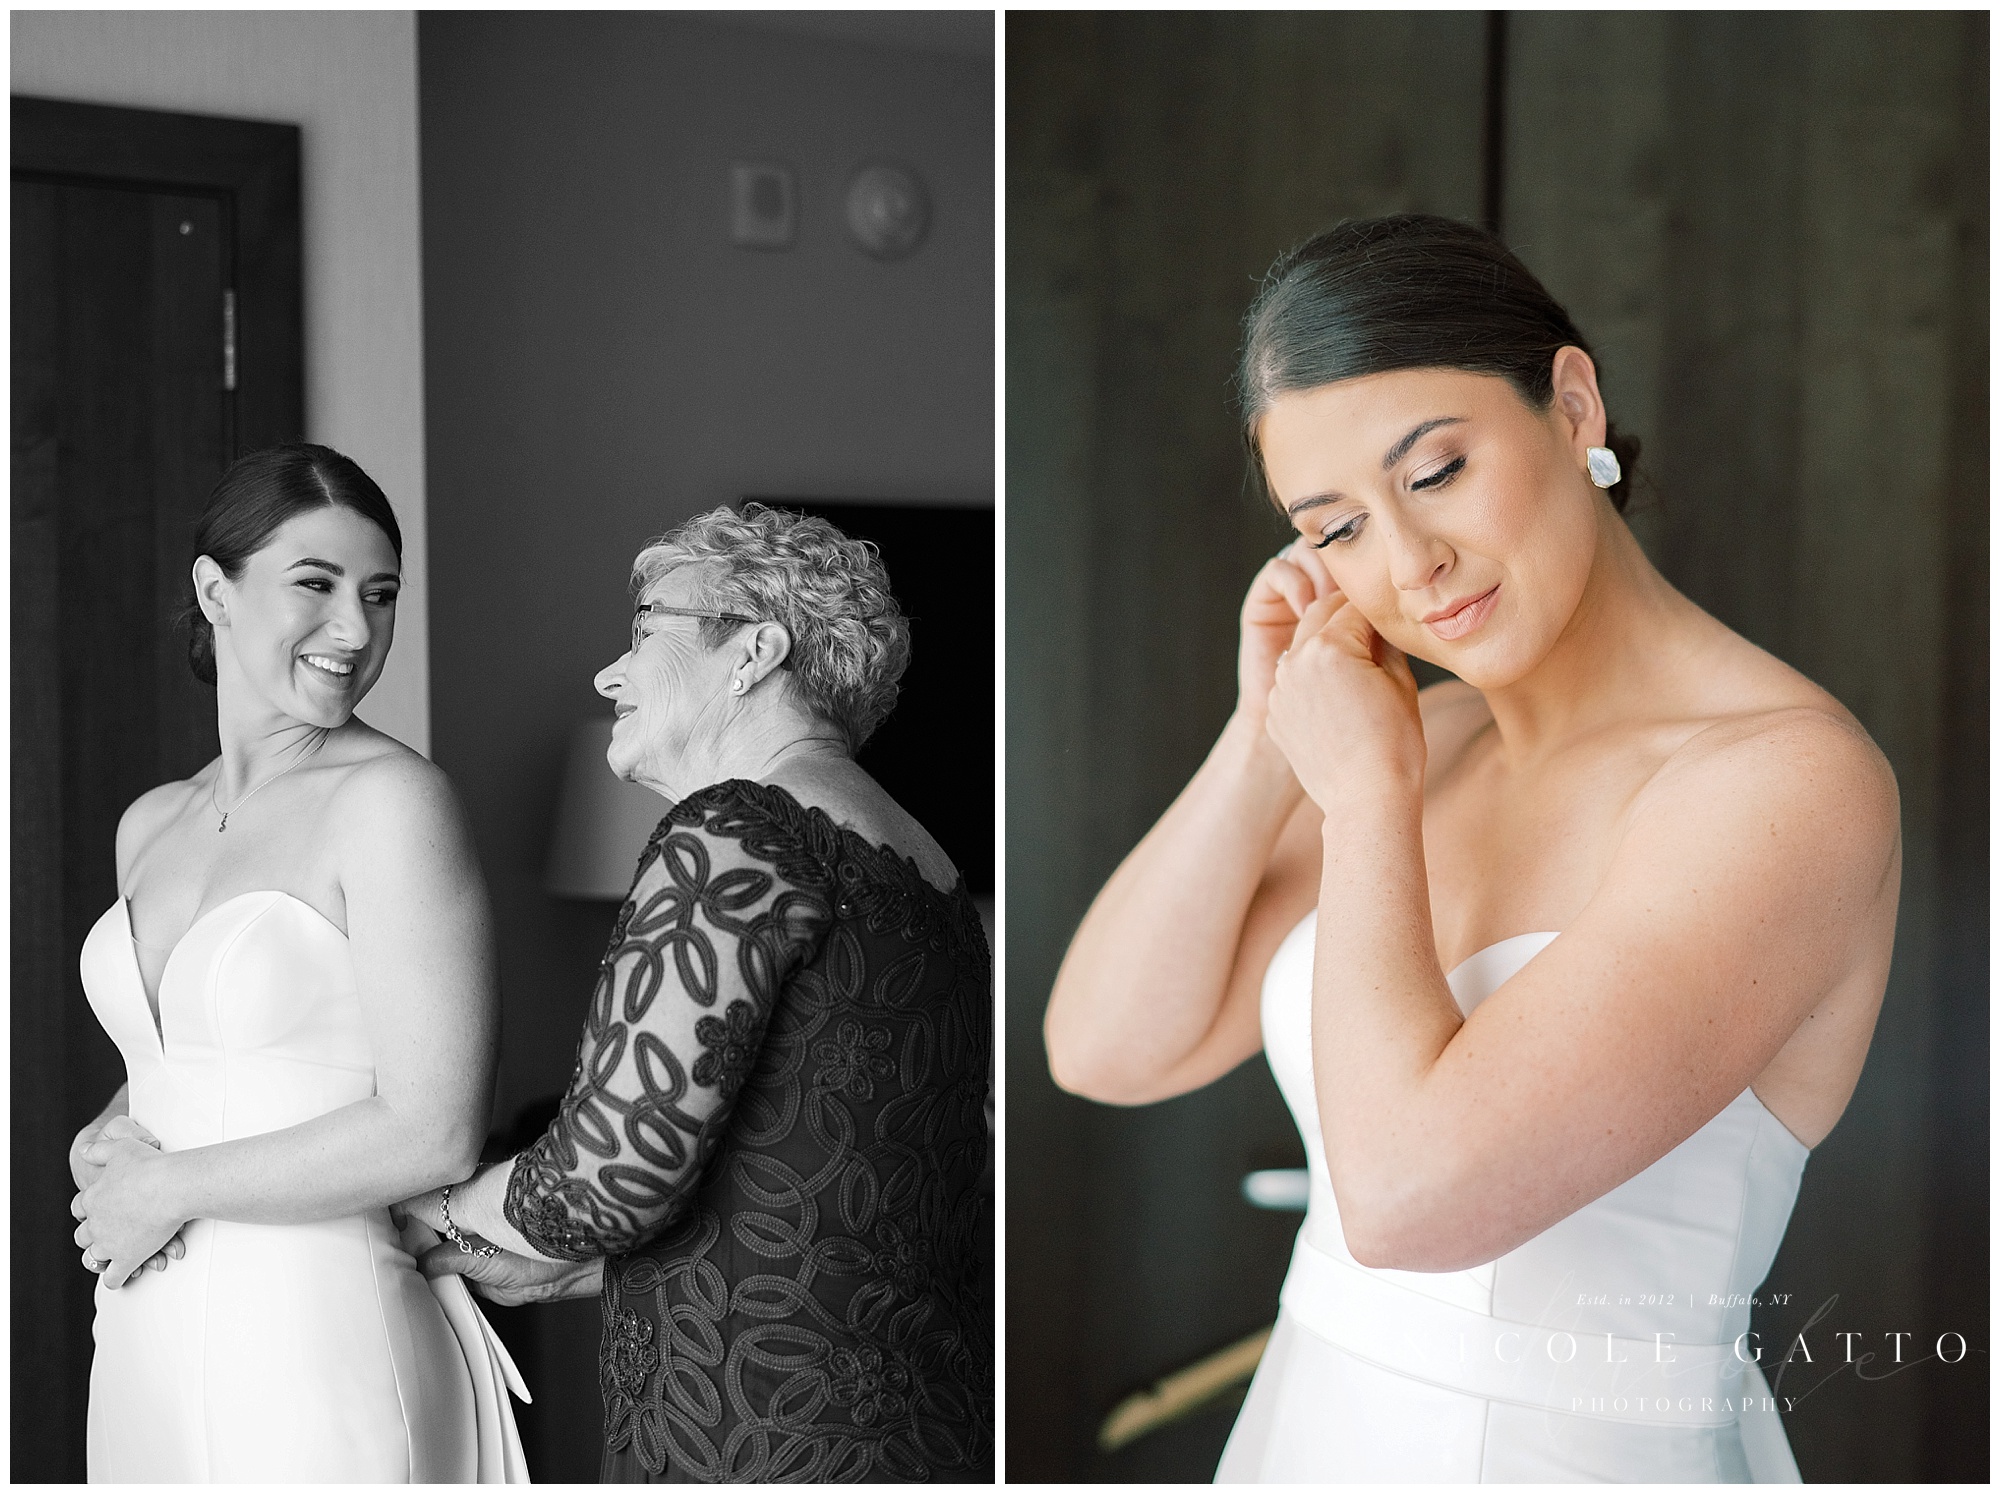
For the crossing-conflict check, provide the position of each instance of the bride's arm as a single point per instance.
(1756, 875)
(1158, 992)
(419, 929)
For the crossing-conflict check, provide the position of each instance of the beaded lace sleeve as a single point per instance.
(717, 920)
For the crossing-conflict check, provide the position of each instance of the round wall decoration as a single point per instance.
(888, 211)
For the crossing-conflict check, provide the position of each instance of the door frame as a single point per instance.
(253, 166)
(251, 169)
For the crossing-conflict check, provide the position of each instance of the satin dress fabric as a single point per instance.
(276, 1353)
(1606, 1349)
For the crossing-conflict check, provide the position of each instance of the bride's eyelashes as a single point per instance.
(1341, 533)
(1344, 533)
(1441, 477)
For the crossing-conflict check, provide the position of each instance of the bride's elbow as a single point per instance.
(1085, 1072)
(1400, 1228)
(1074, 1074)
(1373, 1239)
(447, 1152)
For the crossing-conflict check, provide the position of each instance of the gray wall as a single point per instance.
(1774, 228)
(601, 363)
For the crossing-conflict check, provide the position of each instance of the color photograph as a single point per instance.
(1496, 855)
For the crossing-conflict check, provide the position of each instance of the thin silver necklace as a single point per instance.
(324, 733)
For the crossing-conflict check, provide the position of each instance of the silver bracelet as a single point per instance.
(457, 1236)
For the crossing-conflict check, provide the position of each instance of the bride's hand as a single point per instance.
(1288, 586)
(1343, 708)
(126, 1221)
(512, 1280)
(117, 1128)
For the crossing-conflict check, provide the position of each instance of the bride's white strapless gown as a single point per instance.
(276, 1353)
(1602, 1350)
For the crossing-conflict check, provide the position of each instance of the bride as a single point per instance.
(298, 975)
(1562, 965)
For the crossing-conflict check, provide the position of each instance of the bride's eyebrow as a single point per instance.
(1318, 500)
(340, 570)
(1402, 448)
(1389, 459)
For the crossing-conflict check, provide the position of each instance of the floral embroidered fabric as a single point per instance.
(776, 1129)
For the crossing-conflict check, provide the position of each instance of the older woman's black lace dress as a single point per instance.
(776, 1131)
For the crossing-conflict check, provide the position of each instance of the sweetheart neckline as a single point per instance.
(154, 1009)
(1555, 934)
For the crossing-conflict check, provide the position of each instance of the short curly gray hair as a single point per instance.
(850, 641)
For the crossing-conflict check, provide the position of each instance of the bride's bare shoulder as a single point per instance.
(383, 765)
(388, 788)
(147, 816)
(1769, 734)
(1758, 706)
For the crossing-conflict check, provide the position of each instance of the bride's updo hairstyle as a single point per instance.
(1406, 291)
(256, 497)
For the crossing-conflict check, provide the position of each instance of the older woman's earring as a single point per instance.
(1603, 463)
(736, 686)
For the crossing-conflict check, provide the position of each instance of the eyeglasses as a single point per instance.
(654, 609)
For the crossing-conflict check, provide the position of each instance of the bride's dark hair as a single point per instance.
(1407, 291)
(257, 495)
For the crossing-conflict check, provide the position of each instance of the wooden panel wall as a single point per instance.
(1776, 238)
(1773, 229)
(1156, 164)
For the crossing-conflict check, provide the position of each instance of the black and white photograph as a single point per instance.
(503, 772)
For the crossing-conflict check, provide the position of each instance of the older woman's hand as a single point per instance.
(127, 1218)
(512, 1280)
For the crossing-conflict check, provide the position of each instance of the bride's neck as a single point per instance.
(258, 741)
(1618, 657)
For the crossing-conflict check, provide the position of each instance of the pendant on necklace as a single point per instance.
(223, 826)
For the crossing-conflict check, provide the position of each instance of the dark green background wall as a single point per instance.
(1774, 229)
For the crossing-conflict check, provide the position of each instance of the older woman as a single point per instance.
(769, 1154)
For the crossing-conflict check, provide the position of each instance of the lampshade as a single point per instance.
(602, 822)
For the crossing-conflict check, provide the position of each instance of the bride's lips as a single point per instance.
(1460, 618)
(331, 668)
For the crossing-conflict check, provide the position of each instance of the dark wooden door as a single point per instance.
(131, 394)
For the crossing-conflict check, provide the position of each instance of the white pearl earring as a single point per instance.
(736, 686)
(1603, 464)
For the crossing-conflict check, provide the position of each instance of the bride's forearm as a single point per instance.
(361, 1156)
(1146, 972)
(1382, 1012)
